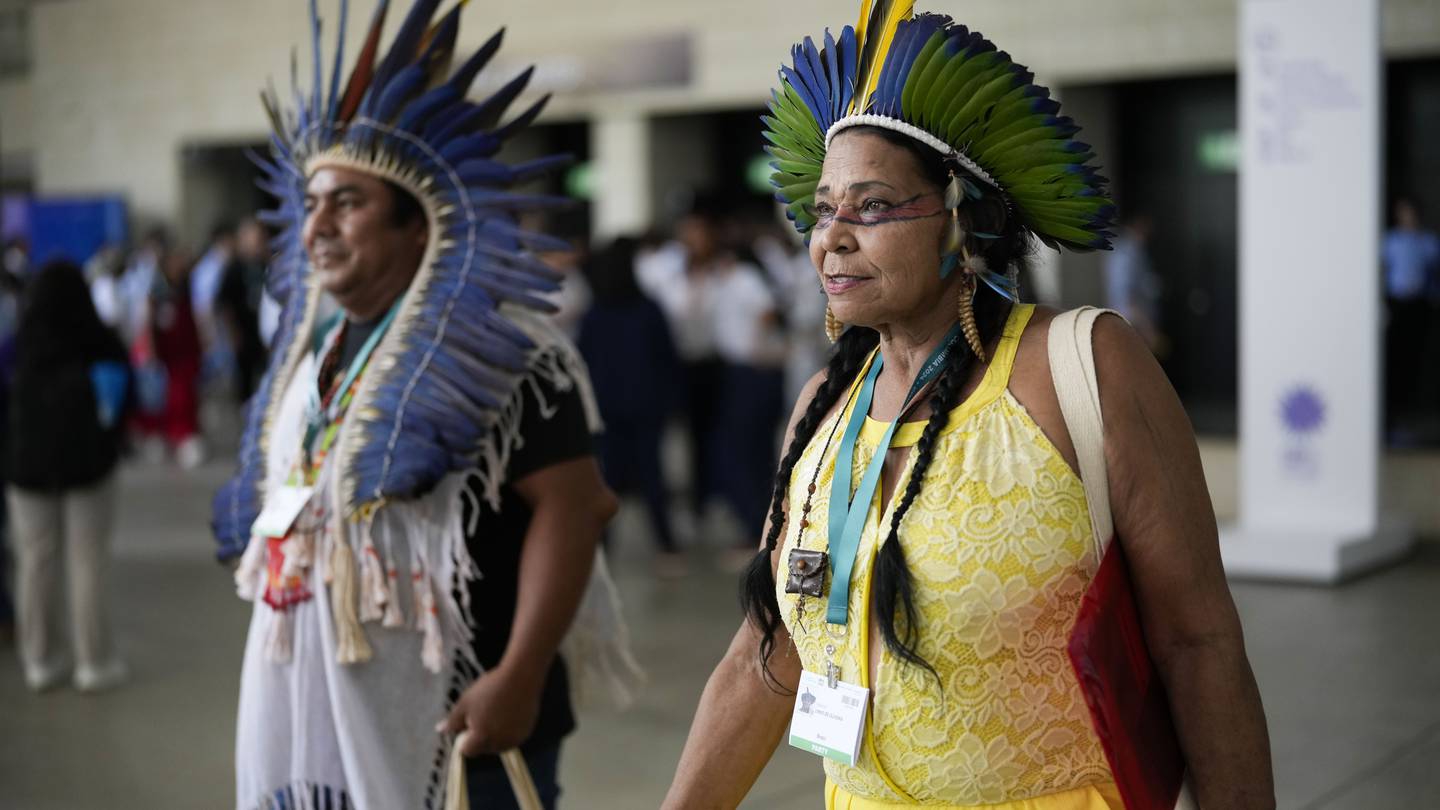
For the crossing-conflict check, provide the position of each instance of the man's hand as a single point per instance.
(499, 711)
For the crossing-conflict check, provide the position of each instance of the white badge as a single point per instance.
(827, 720)
(281, 508)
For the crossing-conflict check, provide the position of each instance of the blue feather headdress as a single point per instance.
(950, 88)
(451, 359)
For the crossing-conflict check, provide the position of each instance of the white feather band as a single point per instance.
(896, 125)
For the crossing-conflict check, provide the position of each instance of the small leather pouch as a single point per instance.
(806, 572)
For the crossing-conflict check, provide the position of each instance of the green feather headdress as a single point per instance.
(949, 88)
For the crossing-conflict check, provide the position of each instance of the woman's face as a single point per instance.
(876, 241)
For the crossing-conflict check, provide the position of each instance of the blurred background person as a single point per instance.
(168, 346)
(1411, 259)
(105, 272)
(800, 302)
(217, 349)
(680, 277)
(65, 412)
(15, 258)
(1132, 287)
(634, 369)
(238, 304)
(750, 342)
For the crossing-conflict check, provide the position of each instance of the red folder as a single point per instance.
(1128, 705)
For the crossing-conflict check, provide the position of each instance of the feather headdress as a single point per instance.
(451, 359)
(950, 88)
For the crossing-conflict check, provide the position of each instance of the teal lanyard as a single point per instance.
(319, 418)
(847, 514)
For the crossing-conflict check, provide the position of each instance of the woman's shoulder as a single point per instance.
(1120, 354)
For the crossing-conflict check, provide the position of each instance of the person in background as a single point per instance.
(105, 270)
(798, 296)
(174, 345)
(633, 366)
(15, 258)
(218, 351)
(751, 344)
(1411, 259)
(11, 291)
(138, 281)
(237, 304)
(680, 277)
(1131, 286)
(66, 409)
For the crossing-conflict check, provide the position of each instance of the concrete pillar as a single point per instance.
(620, 152)
(1310, 101)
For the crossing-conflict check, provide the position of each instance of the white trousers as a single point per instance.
(79, 521)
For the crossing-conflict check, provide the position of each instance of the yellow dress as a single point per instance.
(998, 543)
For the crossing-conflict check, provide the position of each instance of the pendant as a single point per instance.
(806, 572)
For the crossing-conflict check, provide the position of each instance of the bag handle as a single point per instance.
(1072, 369)
(456, 797)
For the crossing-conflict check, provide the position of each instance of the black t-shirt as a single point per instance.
(496, 544)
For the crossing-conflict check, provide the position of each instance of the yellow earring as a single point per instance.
(833, 327)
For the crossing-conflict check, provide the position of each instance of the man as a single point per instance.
(417, 502)
(1411, 258)
(237, 305)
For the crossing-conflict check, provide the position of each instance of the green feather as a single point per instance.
(913, 84)
(795, 191)
(986, 95)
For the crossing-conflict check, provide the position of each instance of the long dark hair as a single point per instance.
(58, 322)
(894, 593)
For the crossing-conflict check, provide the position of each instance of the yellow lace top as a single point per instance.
(998, 542)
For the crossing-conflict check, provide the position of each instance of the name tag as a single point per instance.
(281, 508)
(829, 721)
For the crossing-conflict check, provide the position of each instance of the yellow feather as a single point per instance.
(893, 12)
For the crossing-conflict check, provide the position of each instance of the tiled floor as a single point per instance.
(1350, 677)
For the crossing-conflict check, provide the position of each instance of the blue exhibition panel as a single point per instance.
(75, 228)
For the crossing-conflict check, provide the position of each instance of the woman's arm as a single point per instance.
(1163, 515)
(742, 715)
(740, 721)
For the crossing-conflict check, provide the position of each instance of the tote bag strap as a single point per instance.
(1072, 368)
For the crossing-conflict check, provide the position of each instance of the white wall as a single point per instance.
(119, 86)
(17, 131)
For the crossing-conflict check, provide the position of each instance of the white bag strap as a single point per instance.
(1072, 368)
(456, 796)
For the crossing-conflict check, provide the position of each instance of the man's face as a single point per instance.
(356, 249)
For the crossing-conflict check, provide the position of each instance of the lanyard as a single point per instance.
(318, 418)
(847, 515)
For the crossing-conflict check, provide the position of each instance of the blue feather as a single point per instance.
(832, 62)
(417, 114)
(494, 107)
(523, 120)
(466, 74)
(849, 64)
(397, 92)
(402, 49)
(330, 105)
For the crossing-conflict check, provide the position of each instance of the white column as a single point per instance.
(1310, 95)
(620, 154)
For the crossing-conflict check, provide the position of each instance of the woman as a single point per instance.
(66, 409)
(972, 553)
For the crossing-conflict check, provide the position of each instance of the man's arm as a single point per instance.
(570, 506)
(1164, 518)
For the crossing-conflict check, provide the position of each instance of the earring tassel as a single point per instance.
(833, 327)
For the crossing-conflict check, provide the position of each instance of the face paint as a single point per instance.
(874, 211)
